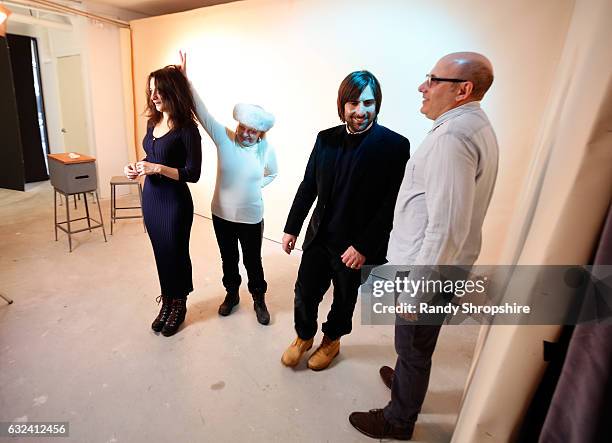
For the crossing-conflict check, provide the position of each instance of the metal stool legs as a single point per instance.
(55, 211)
(68, 222)
(112, 220)
(100, 212)
(87, 211)
(114, 208)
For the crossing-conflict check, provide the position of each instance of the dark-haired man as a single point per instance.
(437, 221)
(354, 172)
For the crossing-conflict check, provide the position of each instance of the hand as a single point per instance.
(289, 242)
(146, 168)
(129, 171)
(183, 65)
(352, 258)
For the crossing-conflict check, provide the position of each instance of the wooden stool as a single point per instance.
(119, 180)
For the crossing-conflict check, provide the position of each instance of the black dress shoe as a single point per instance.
(228, 304)
(176, 318)
(261, 310)
(164, 313)
(375, 425)
(387, 374)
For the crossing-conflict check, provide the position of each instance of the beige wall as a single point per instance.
(108, 115)
(290, 57)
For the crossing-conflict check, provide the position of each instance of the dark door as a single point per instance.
(24, 60)
(12, 174)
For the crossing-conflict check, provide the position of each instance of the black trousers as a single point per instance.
(250, 237)
(320, 266)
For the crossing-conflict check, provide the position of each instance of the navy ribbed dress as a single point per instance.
(168, 208)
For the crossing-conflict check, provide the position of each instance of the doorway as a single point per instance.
(72, 100)
(27, 86)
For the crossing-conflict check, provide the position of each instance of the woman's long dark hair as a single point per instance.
(174, 90)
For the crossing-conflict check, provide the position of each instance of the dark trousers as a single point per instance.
(414, 345)
(319, 267)
(250, 237)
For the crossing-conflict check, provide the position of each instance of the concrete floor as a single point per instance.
(76, 345)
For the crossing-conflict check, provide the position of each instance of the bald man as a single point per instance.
(440, 208)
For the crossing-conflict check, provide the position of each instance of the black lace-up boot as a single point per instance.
(163, 315)
(176, 318)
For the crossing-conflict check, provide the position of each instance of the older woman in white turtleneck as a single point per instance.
(245, 164)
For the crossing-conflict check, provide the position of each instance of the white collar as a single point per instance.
(360, 132)
(455, 112)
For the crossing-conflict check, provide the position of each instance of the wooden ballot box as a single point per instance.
(71, 175)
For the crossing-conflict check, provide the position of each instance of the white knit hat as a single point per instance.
(253, 116)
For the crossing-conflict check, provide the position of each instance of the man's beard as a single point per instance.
(359, 125)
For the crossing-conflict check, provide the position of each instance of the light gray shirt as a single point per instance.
(446, 191)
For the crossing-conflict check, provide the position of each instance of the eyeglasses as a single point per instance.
(430, 79)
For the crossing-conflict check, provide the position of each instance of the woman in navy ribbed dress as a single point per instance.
(173, 158)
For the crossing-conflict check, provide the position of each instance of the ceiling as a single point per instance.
(160, 7)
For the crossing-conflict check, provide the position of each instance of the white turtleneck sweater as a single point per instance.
(241, 171)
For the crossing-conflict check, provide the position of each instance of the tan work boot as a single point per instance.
(325, 353)
(294, 352)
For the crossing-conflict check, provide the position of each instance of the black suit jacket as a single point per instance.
(375, 180)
